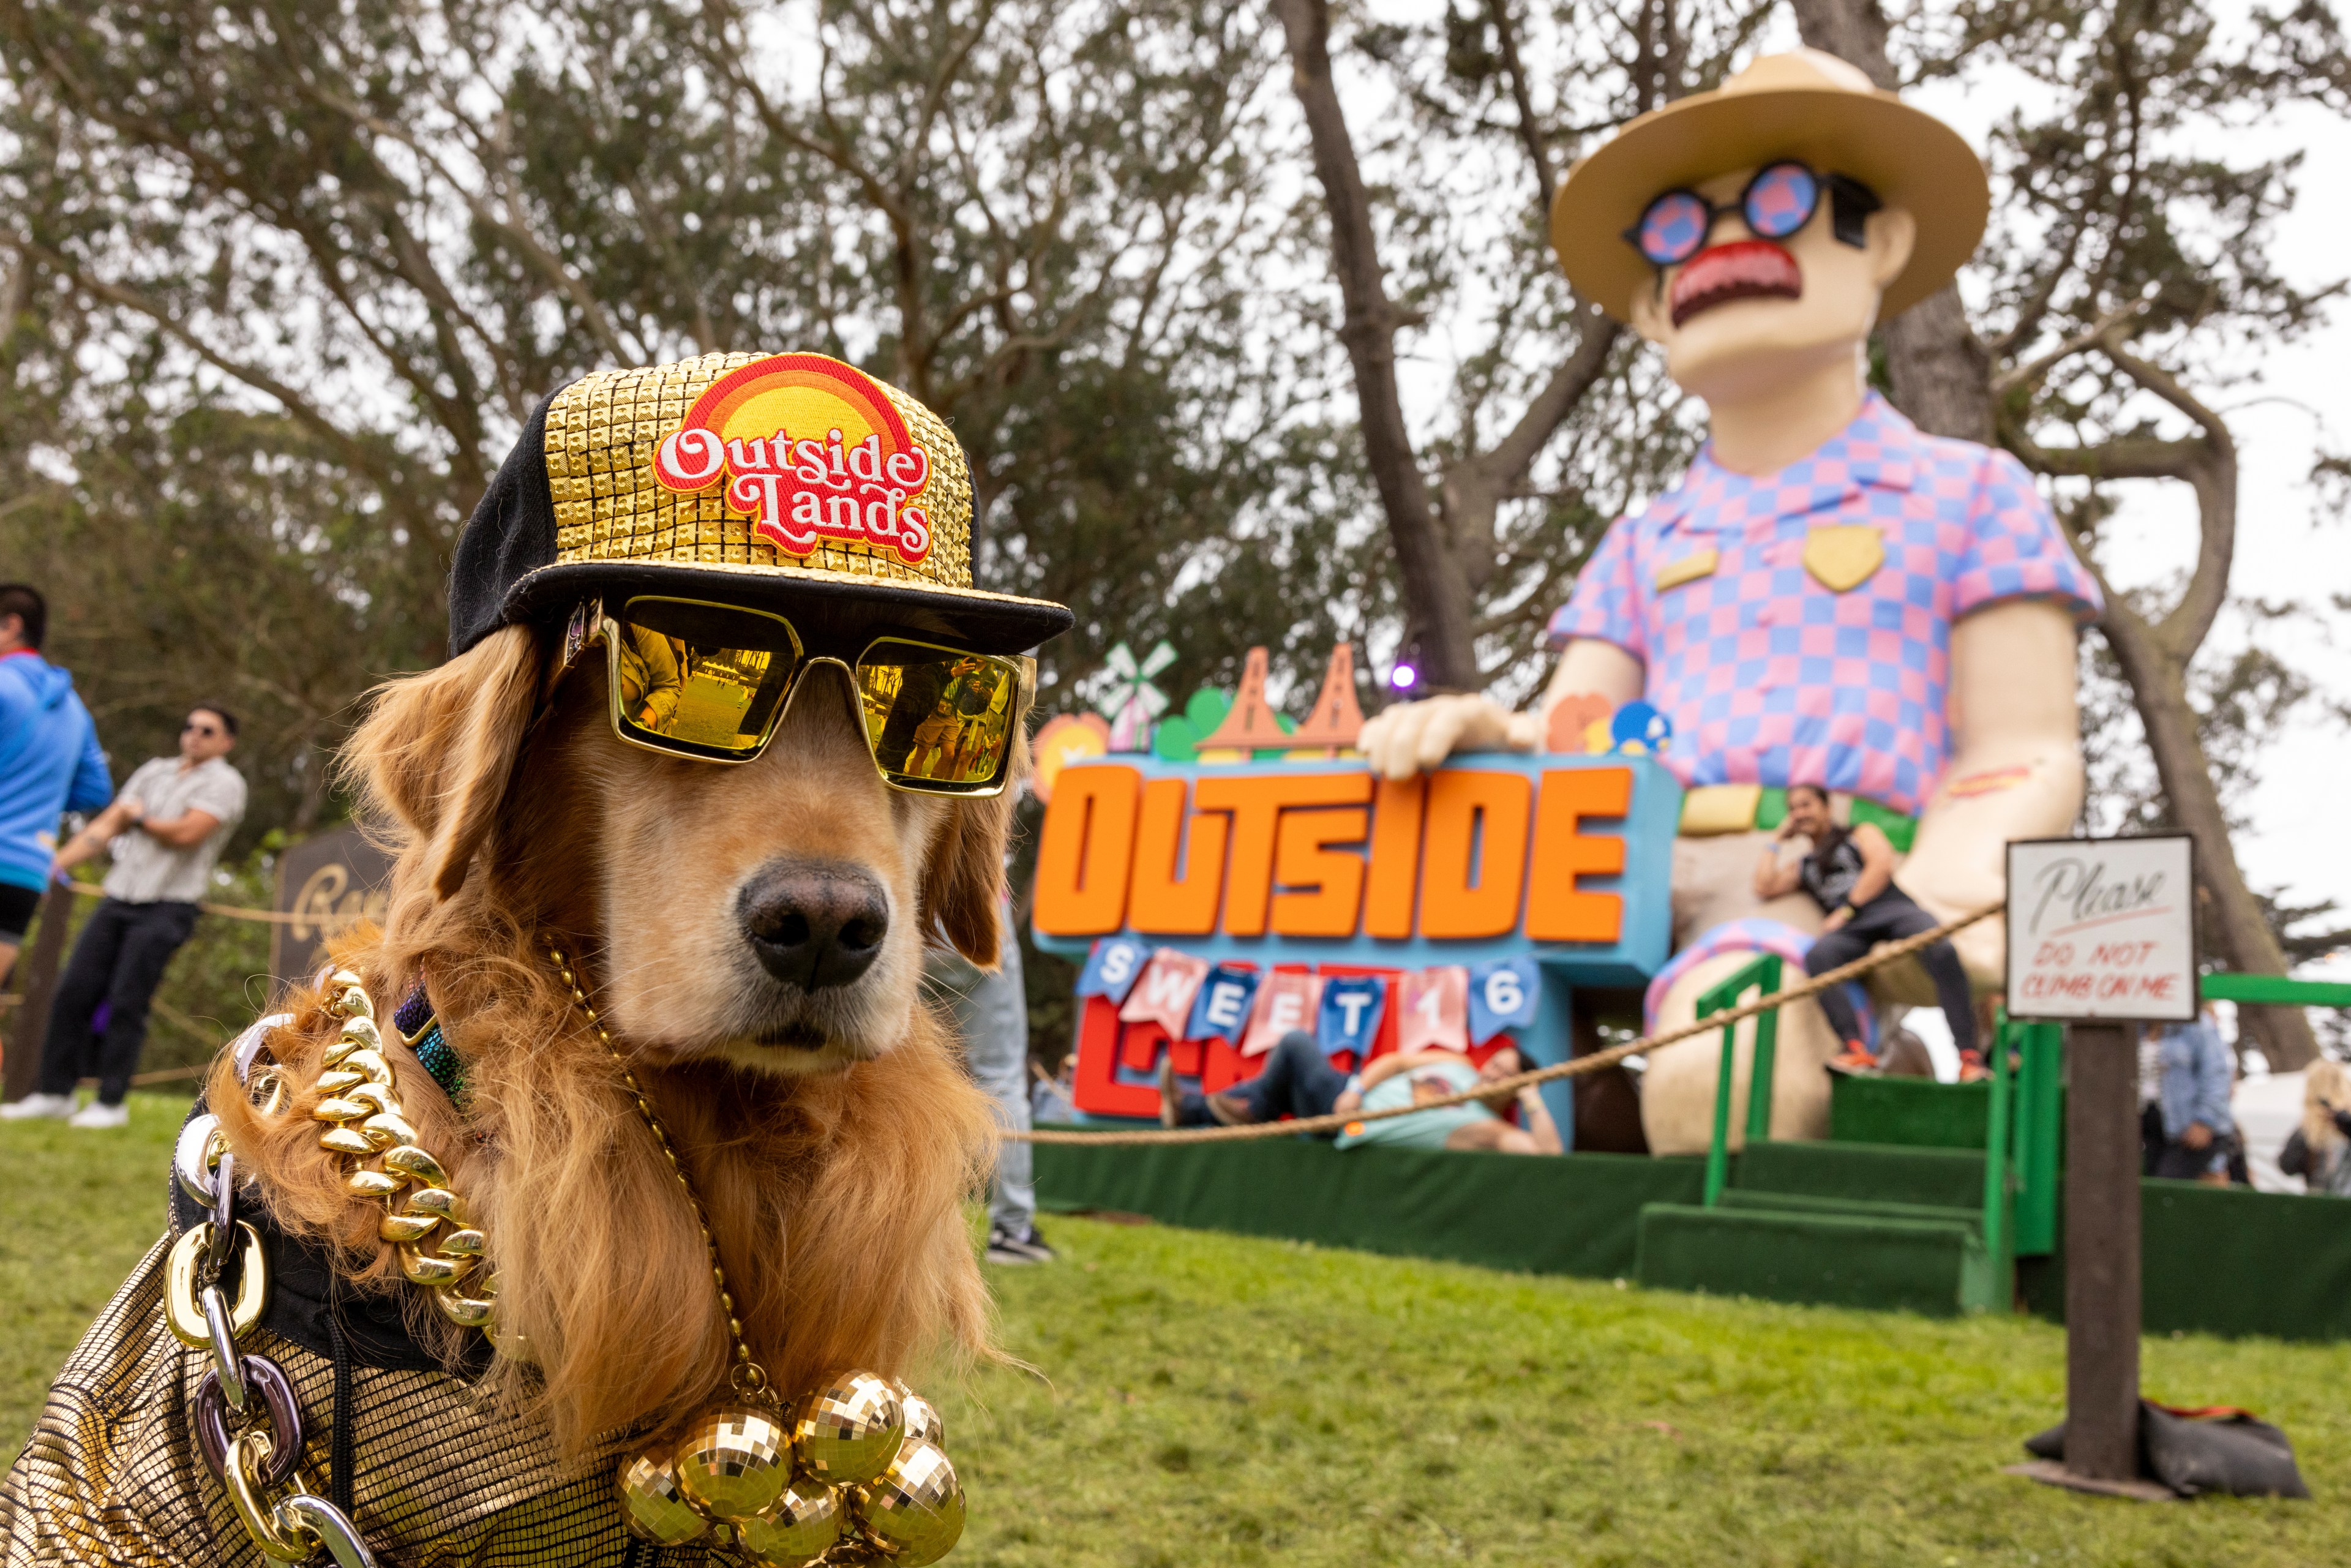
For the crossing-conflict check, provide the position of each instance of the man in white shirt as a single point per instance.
(166, 828)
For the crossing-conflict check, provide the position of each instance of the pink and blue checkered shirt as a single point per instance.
(1771, 677)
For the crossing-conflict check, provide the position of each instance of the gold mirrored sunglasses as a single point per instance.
(712, 682)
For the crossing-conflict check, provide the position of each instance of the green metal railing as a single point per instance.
(2024, 1117)
(2276, 991)
(1762, 975)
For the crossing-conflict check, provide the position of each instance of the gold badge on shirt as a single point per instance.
(1688, 569)
(1842, 555)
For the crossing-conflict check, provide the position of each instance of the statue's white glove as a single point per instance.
(1414, 738)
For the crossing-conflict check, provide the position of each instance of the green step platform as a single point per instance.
(1856, 1225)
(1937, 1267)
(1806, 1203)
(1868, 1173)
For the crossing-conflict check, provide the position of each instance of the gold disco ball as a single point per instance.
(733, 1461)
(923, 1422)
(914, 1512)
(847, 1431)
(795, 1529)
(652, 1504)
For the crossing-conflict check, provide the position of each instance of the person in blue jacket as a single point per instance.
(49, 762)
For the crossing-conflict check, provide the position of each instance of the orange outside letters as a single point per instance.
(1557, 911)
(1255, 802)
(1083, 854)
(1471, 880)
(1273, 849)
(1164, 903)
(1302, 861)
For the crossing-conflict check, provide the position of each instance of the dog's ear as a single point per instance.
(964, 879)
(437, 749)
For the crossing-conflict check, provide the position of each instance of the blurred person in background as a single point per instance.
(991, 1014)
(2194, 1073)
(165, 829)
(1298, 1080)
(49, 762)
(2319, 1151)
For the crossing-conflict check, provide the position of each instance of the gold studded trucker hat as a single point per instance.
(790, 482)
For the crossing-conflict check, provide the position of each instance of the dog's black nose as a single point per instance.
(815, 922)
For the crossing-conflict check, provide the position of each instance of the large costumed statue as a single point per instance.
(1863, 636)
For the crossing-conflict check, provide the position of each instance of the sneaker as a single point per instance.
(1003, 1247)
(1230, 1110)
(99, 1115)
(56, 1107)
(1856, 1058)
(1972, 1067)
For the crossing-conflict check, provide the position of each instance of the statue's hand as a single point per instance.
(1417, 737)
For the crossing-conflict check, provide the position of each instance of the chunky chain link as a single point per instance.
(247, 1422)
(749, 1377)
(423, 1217)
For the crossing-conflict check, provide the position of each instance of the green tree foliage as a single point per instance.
(287, 281)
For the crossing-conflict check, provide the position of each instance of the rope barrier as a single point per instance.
(235, 911)
(1580, 1067)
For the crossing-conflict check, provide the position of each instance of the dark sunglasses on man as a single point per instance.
(1778, 202)
(712, 682)
(203, 727)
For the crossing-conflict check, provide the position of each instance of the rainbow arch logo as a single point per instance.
(810, 449)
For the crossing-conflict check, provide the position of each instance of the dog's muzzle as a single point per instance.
(814, 924)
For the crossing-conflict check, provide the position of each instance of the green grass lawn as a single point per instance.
(1205, 1399)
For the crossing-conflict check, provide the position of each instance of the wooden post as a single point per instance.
(2102, 1252)
(29, 1024)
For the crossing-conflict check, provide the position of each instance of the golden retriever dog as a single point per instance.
(752, 936)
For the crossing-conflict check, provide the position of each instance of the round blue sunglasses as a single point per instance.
(1780, 200)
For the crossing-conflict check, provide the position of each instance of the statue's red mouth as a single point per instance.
(1745, 269)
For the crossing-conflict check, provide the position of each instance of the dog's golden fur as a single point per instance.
(834, 1176)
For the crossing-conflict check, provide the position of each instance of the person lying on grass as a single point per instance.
(1299, 1080)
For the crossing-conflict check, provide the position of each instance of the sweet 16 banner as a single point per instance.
(1350, 1014)
(1433, 1008)
(1163, 993)
(1222, 1011)
(1285, 1004)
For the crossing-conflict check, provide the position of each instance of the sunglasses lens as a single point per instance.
(939, 717)
(702, 678)
(1780, 200)
(1673, 228)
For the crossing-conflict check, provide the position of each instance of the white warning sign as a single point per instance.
(2102, 929)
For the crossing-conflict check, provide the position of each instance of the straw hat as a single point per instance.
(787, 482)
(1803, 104)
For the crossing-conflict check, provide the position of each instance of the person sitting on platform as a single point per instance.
(1298, 1080)
(1850, 874)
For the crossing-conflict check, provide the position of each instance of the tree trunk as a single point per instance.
(1436, 593)
(1940, 374)
(2231, 914)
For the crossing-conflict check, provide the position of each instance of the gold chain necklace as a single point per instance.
(423, 1217)
(854, 1472)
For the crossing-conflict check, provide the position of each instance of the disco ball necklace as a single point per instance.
(853, 1472)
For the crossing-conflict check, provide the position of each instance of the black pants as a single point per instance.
(117, 959)
(1298, 1081)
(1889, 917)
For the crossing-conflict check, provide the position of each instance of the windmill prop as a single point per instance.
(1250, 725)
(1337, 722)
(1133, 704)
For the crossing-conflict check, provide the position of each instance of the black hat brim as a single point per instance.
(828, 606)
